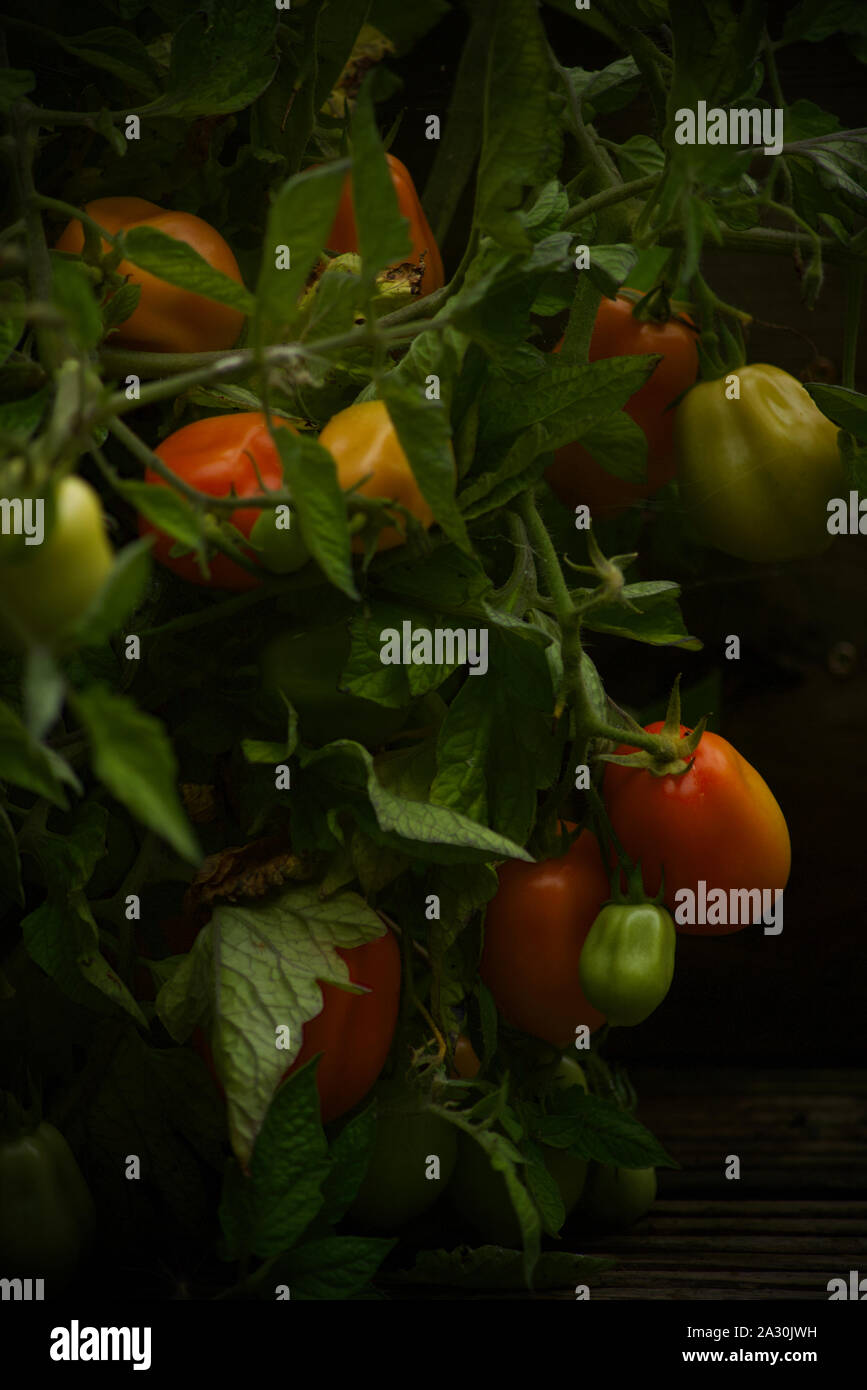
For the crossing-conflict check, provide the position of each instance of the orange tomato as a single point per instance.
(166, 319)
(344, 235)
(364, 445)
(718, 822)
(220, 456)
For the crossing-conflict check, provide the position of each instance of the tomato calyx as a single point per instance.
(675, 748)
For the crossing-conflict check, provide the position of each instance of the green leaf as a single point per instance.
(11, 329)
(179, 264)
(568, 401)
(257, 968)
(658, 620)
(620, 447)
(406, 24)
(311, 475)
(335, 1267)
(133, 757)
(522, 139)
(432, 832)
(847, 408)
(288, 1167)
(118, 597)
(300, 218)
(10, 862)
(14, 84)
(72, 290)
(383, 236)
(590, 1127)
(19, 419)
(609, 89)
(117, 51)
(26, 763)
(473, 777)
(610, 266)
(220, 62)
(350, 1154)
(814, 20)
(424, 433)
(458, 149)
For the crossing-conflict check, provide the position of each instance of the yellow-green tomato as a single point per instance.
(44, 594)
(756, 472)
(614, 1198)
(413, 1159)
(280, 543)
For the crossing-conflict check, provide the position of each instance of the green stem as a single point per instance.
(646, 56)
(218, 366)
(854, 288)
(591, 153)
(607, 197)
(771, 240)
(53, 344)
(771, 69)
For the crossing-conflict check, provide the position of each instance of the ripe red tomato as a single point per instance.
(344, 236)
(217, 455)
(574, 476)
(535, 928)
(718, 821)
(354, 1031)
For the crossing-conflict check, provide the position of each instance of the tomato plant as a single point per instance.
(480, 1195)
(316, 658)
(535, 929)
(166, 318)
(575, 475)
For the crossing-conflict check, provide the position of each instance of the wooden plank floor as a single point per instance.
(797, 1216)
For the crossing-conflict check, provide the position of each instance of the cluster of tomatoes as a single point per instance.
(561, 953)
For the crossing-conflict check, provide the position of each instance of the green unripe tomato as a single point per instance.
(756, 473)
(399, 1184)
(46, 1210)
(307, 667)
(481, 1198)
(614, 1198)
(627, 961)
(278, 540)
(44, 594)
(569, 1073)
